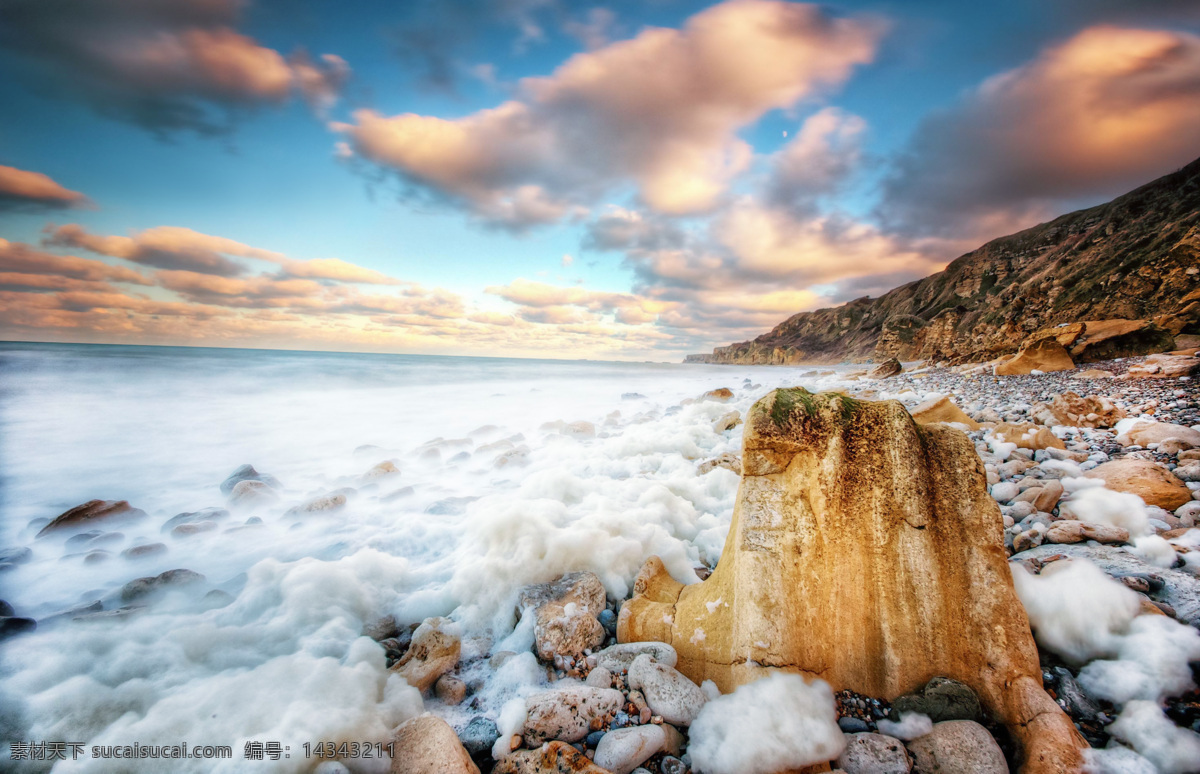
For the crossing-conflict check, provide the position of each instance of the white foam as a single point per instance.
(1104, 506)
(911, 725)
(778, 722)
(1143, 726)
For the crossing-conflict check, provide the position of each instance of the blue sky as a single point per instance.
(736, 162)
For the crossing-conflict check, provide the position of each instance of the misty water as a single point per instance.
(505, 491)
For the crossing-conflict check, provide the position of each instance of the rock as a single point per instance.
(328, 503)
(599, 678)
(567, 714)
(195, 517)
(618, 658)
(1148, 480)
(1030, 538)
(384, 470)
(434, 651)
(868, 753)
(930, 594)
(851, 725)
(19, 555)
(1079, 706)
(566, 611)
(143, 550)
(1071, 531)
(1174, 446)
(722, 394)
(92, 512)
(252, 493)
(1111, 339)
(579, 430)
(381, 628)
(1045, 355)
(450, 689)
(11, 626)
(959, 747)
(552, 758)
(247, 473)
(141, 587)
(1093, 373)
(608, 619)
(888, 368)
(942, 699)
(427, 744)
(1165, 367)
(479, 736)
(727, 421)
(194, 528)
(625, 749)
(942, 410)
(1070, 409)
(1145, 432)
(1027, 435)
(1004, 492)
(727, 461)
(668, 692)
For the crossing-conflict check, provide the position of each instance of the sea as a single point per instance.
(504, 472)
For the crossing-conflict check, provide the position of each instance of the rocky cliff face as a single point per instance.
(1136, 257)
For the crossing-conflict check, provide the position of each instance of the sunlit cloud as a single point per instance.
(571, 137)
(28, 191)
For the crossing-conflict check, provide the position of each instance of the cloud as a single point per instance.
(16, 257)
(818, 160)
(581, 132)
(165, 66)
(594, 29)
(1087, 119)
(21, 190)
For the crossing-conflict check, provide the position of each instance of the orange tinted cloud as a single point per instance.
(1087, 119)
(22, 189)
(583, 130)
(18, 257)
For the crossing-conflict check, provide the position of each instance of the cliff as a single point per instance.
(1136, 257)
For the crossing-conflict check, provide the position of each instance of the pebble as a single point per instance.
(625, 749)
(669, 693)
(868, 753)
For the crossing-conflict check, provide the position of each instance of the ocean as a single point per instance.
(510, 472)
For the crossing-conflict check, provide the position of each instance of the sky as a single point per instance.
(632, 180)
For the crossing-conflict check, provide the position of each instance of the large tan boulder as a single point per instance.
(434, 651)
(1165, 367)
(566, 610)
(1027, 435)
(427, 744)
(1071, 409)
(1152, 482)
(1146, 432)
(865, 550)
(1044, 355)
(942, 410)
(1109, 339)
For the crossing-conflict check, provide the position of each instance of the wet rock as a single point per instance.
(479, 736)
(668, 692)
(552, 758)
(11, 626)
(618, 658)
(568, 714)
(328, 503)
(599, 678)
(1027, 435)
(427, 744)
(727, 421)
(450, 690)
(868, 753)
(141, 587)
(194, 528)
(92, 512)
(247, 473)
(381, 628)
(195, 517)
(958, 747)
(144, 550)
(1149, 480)
(722, 394)
(1071, 531)
(942, 699)
(1071, 409)
(384, 470)
(1078, 705)
(434, 651)
(566, 611)
(14, 556)
(625, 749)
(1030, 538)
(6, 609)
(728, 461)
(252, 493)
(1145, 432)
